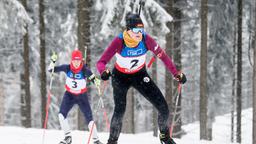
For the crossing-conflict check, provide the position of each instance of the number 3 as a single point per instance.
(75, 84)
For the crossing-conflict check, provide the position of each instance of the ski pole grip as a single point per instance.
(99, 91)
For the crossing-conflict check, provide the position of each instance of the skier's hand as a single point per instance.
(96, 81)
(54, 57)
(181, 78)
(97, 84)
(105, 75)
(51, 67)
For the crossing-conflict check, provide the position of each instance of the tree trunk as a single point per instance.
(233, 98)
(177, 15)
(25, 103)
(168, 76)
(128, 121)
(83, 30)
(83, 35)
(233, 110)
(239, 70)
(155, 114)
(254, 81)
(203, 70)
(42, 60)
(155, 124)
(173, 43)
(26, 97)
(1, 103)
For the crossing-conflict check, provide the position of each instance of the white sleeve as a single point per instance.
(51, 66)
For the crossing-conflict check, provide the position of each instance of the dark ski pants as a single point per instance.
(69, 100)
(143, 83)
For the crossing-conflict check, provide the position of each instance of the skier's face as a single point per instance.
(135, 35)
(76, 63)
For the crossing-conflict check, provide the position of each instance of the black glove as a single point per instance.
(105, 75)
(181, 78)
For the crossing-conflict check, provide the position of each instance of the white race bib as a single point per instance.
(75, 84)
(130, 63)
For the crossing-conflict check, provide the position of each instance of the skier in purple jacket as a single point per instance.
(130, 48)
(76, 93)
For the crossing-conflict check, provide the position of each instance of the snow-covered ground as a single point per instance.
(221, 134)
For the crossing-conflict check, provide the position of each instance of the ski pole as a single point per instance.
(142, 3)
(91, 130)
(152, 60)
(100, 104)
(48, 102)
(175, 109)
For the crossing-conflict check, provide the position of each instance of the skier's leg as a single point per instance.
(152, 93)
(120, 87)
(145, 85)
(65, 126)
(84, 106)
(66, 104)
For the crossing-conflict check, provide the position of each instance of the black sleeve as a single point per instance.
(60, 68)
(87, 71)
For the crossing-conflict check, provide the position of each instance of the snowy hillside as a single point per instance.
(221, 134)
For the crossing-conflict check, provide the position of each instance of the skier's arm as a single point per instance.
(87, 71)
(160, 53)
(108, 54)
(60, 68)
(91, 76)
(95, 80)
(52, 66)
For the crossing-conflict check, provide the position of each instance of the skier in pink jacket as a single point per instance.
(130, 48)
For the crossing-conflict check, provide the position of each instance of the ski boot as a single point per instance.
(112, 141)
(166, 139)
(66, 140)
(97, 142)
(109, 142)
